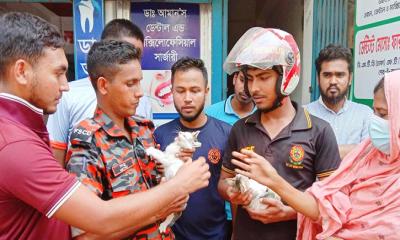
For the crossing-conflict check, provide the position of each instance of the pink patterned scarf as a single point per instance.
(361, 200)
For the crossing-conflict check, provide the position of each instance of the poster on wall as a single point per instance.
(376, 45)
(88, 25)
(171, 31)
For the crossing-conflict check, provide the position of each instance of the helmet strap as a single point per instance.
(279, 96)
(244, 69)
(278, 101)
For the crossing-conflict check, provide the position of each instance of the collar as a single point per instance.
(183, 128)
(109, 126)
(228, 106)
(17, 99)
(301, 121)
(20, 111)
(229, 110)
(343, 109)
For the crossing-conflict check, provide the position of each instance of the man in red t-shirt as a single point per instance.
(37, 197)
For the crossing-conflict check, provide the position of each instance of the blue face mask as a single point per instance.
(379, 133)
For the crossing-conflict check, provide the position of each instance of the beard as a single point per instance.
(36, 98)
(333, 100)
(243, 100)
(190, 118)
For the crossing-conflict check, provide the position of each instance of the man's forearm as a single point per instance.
(223, 185)
(59, 155)
(116, 215)
(121, 234)
(300, 201)
(136, 209)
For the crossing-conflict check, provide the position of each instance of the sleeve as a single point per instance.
(144, 109)
(231, 145)
(327, 158)
(58, 126)
(367, 117)
(209, 111)
(149, 110)
(214, 110)
(84, 161)
(35, 177)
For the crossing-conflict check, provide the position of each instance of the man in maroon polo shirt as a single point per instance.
(37, 197)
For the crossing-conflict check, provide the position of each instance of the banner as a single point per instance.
(376, 45)
(171, 31)
(88, 25)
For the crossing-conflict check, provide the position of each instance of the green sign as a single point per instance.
(376, 45)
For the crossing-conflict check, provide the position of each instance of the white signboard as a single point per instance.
(377, 51)
(371, 11)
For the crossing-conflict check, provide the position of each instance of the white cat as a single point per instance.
(171, 164)
(242, 183)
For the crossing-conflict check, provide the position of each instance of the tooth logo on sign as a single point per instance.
(86, 12)
(84, 68)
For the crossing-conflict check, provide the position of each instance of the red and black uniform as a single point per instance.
(112, 165)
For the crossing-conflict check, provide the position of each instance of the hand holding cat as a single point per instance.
(160, 168)
(276, 211)
(178, 205)
(255, 167)
(238, 198)
(193, 175)
(185, 154)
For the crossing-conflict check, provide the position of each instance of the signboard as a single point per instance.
(171, 31)
(372, 11)
(377, 45)
(88, 25)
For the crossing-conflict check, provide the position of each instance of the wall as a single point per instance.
(63, 23)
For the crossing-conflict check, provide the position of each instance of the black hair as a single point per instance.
(334, 52)
(119, 28)
(104, 58)
(187, 63)
(25, 36)
(380, 85)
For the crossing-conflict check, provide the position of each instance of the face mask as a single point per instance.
(379, 133)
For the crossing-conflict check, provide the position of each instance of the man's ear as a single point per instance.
(22, 71)
(351, 79)
(102, 85)
(207, 89)
(235, 78)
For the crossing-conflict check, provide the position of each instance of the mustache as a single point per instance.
(333, 87)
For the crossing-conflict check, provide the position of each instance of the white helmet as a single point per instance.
(265, 48)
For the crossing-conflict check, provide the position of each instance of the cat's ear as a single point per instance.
(195, 134)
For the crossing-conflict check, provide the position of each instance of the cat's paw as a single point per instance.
(155, 153)
(152, 151)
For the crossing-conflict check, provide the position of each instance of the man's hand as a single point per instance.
(193, 175)
(255, 167)
(238, 198)
(178, 205)
(160, 168)
(276, 211)
(185, 154)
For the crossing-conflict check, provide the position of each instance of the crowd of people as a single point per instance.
(86, 175)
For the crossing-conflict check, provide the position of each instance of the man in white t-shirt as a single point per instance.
(80, 102)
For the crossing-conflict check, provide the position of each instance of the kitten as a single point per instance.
(242, 183)
(171, 164)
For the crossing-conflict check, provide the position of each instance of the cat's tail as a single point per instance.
(157, 155)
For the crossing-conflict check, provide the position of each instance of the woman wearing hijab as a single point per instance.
(361, 200)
